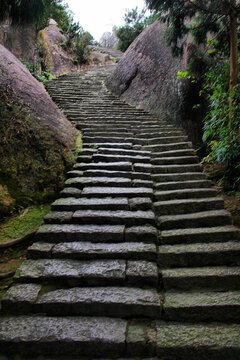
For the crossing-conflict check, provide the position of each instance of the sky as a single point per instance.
(99, 16)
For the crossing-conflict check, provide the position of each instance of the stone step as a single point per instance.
(112, 301)
(103, 139)
(220, 278)
(73, 204)
(168, 147)
(197, 235)
(84, 158)
(117, 192)
(179, 160)
(83, 250)
(173, 153)
(120, 158)
(195, 220)
(178, 341)
(208, 254)
(81, 182)
(125, 145)
(82, 336)
(188, 206)
(119, 151)
(106, 133)
(202, 306)
(176, 185)
(163, 169)
(88, 272)
(165, 140)
(184, 194)
(116, 217)
(175, 177)
(158, 133)
(123, 166)
(96, 233)
(117, 173)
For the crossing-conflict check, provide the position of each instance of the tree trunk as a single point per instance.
(233, 53)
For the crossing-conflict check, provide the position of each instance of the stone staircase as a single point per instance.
(138, 258)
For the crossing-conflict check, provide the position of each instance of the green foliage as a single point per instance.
(23, 224)
(45, 75)
(135, 23)
(222, 138)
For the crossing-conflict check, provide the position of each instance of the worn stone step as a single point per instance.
(184, 194)
(178, 341)
(103, 139)
(46, 336)
(196, 235)
(116, 217)
(123, 166)
(95, 191)
(122, 302)
(188, 206)
(175, 177)
(88, 272)
(222, 278)
(107, 133)
(180, 160)
(207, 254)
(176, 185)
(158, 133)
(83, 250)
(202, 306)
(195, 220)
(168, 147)
(173, 153)
(117, 173)
(163, 169)
(165, 140)
(121, 158)
(81, 182)
(96, 233)
(84, 158)
(117, 145)
(73, 204)
(119, 151)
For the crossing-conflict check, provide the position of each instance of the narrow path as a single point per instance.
(138, 257)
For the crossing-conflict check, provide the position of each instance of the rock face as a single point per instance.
(146, 77)
(36, 139)
(21, 40)
(59, 60)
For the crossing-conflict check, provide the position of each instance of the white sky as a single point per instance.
(98, 16)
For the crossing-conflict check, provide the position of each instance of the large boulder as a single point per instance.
(51, 41)
(146, 77)
(36, 139)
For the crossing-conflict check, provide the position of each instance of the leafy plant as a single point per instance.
(223, 140)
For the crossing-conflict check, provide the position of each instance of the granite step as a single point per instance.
(197, 235)
(96, 233)
(122, 145)
(187, 206)
(104, 272)
(173, 153)
(195, 220)
(123, 166)
(177, 185)
(198, 254)
(168, 147)
(81, 182)
(95, 191)
(73, 204)
(111, 301)
(204, 306)
(178, 177)
(119, 151)
(216, 278)
(116, 174)
(184, 194)
(120, 158)
(84, 250)
(178, 341)
(179, 160)
(163, 169)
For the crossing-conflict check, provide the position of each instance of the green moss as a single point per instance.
(23, 224)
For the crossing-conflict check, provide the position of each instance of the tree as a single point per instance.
(200, 18)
